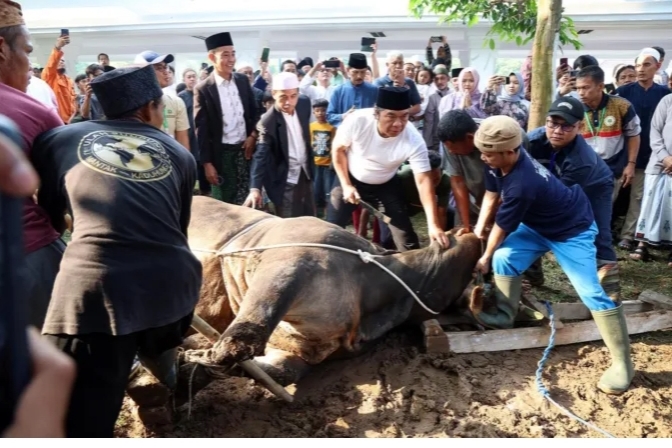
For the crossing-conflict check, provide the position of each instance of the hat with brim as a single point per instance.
(499, 133)
(568, 108)
(126, 89)
(218, 40)
(357, 61)
(152, 57)
(394, 98)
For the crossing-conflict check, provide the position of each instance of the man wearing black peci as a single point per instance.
(128, 283)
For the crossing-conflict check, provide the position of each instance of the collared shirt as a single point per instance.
(347, 95)
(645, 103)
(576, 163)
(233, 114)
(606, 128)
(297, 148)
(174, 115)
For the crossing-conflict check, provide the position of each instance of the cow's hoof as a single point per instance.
(285, 368)
(239, 343)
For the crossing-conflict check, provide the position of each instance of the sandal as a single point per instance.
(626, 244)
(640, 254)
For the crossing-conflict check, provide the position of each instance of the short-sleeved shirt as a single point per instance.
(532, 196)
(128, 187)
(174, 115)
(321, 136)
(373, 159)
(32, 118)
(411, 193)
(95, 109)
(471, 168)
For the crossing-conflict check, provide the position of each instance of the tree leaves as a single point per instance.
(512, 20)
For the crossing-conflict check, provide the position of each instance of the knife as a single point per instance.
(377, 213)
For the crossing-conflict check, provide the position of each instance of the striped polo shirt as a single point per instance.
(606, 128)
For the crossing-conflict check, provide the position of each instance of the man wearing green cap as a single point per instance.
(538, 213)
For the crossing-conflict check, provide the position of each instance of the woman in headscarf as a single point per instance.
(510, 102)
(654, 226)
(467, 98)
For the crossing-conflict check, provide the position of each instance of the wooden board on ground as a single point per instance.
(656, 299)
(536, 337)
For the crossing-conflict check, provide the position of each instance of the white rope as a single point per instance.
(366, 257)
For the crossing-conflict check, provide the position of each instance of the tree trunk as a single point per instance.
(543, 72)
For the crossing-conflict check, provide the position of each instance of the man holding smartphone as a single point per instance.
(62, 85)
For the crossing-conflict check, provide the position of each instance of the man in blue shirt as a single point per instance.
(566, 154)
(353, 94)
(644, 96)
(396, 76)
(538, 213)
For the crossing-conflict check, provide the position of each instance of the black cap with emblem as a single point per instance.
(394, 98)
(126, 89)
(218, 40)
(357, 61)
(568, 108)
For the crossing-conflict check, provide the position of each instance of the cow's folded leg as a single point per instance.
(264, 305)
(284, 367)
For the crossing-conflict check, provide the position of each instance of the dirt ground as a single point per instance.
(397, 391)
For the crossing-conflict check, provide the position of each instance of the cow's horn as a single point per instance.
(249, 366)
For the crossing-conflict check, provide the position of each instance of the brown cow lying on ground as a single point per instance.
(290, 308)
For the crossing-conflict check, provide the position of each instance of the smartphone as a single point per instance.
(609, 87)
(15, 364)
(454, 73)
(436, 39)
(367, 42)
(507, 80)
(65, 32)
(563, 61)
(265, 53)
(331, 64)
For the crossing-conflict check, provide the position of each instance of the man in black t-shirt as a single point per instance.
(128, 282)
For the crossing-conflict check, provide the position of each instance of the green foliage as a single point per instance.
(512, 21)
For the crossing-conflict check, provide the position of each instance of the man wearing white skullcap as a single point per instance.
(283, 162)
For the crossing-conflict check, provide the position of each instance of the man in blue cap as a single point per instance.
(175, 120)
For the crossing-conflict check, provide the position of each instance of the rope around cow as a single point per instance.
(367, 257)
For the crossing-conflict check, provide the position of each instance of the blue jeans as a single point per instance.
(575, 256)
(323, 178)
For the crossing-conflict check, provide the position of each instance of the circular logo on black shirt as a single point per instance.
(129, 156)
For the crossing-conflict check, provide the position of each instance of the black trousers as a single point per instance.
(38, 275)
(103, 366)
(390, 195)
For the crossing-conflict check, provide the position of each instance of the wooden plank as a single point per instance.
(656, 299)
(535, 337)
(435, 338)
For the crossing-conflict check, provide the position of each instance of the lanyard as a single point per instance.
(165, 121)
(589, 122)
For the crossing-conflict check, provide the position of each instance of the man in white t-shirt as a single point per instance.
(41, 91)
(369, 147)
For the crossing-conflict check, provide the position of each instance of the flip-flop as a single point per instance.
(643, 253)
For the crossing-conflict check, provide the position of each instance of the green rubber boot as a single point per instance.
(613, 328)
(507, 291)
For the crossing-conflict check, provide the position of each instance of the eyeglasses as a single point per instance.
(564, 126)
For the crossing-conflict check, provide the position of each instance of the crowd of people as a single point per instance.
(120, 162)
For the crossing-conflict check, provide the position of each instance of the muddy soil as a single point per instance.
(397, 391)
